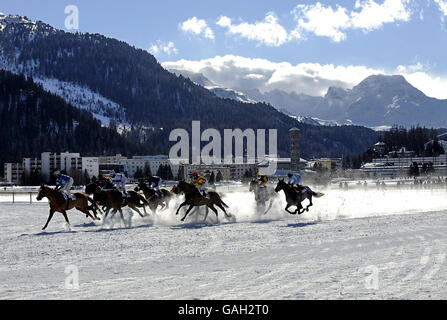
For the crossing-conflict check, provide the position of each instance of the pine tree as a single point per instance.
(147, 170)
(212, 178)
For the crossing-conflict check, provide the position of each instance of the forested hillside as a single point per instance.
(33, 121)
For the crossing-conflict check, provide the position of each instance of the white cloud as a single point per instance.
(373, 15)
(245, 74)
(322, 21)
(367, 15)
(411, 68)
(198, 27)
(268, 32)
(162, 47)
(432, 86)
(442, 6)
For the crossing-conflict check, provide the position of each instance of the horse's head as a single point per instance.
(180, 187)
(280, 185)
(141, 185)
(92, 188)
(42, 192)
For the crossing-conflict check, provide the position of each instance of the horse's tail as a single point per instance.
(317, 194)
(218, 198)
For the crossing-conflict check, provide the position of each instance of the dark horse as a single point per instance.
(153, 200)
(193, 198)
(263, 194)
(58, 203)
(113, 199)
(294, 198)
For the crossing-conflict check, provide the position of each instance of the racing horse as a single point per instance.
(113, 199)
(58, 203)
(294, 198)
(263, 194)
(193, 198)
(153, 200)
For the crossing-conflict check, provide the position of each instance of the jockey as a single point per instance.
(262, 180)
(200, 182)
(119, 181)
(294, 181)
(104, 179)
(155, 182)
(64, 183)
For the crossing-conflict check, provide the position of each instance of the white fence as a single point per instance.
(18, 196)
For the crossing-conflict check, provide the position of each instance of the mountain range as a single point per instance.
(126, 88)
(377, 101)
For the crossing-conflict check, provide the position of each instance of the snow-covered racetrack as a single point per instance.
(351, 245)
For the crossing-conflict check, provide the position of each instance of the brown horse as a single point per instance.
(58, 203)
(193, 198)
(151, 197)
(113, 199)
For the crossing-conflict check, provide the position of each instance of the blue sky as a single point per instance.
(344, 39)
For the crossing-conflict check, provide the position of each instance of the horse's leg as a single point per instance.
(122, 216)
(287, 209)
(187, 211)
(106, 212)
(113, 213)
(223, 209)
(310, 204)
(182, 205)
(144, 209)
(206, 214)
(133, 207)
(49, 218)
(215, 211)
(87, 213)
(270, 206)
(64, 213)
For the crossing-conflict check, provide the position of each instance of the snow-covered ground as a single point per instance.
(351, 245)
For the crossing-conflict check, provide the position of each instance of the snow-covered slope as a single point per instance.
(102, 108)
(82, 97)
(230, 94)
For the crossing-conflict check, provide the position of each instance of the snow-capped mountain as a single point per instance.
(221, 92)
(83, 97)
(379, 101)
